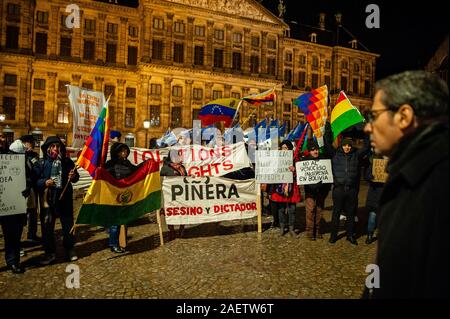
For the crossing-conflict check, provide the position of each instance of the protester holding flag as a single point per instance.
(119, 167)
(286, 196)
(55, 172)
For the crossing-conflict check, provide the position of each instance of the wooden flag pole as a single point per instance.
(68, 181)
(123, 236)
(258, 207)
(158, 218)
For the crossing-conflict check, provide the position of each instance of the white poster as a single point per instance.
(12, 183)
(86, 107)
(272, 167)
(189, 200)
(314, 171)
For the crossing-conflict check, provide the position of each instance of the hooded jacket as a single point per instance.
(117, 167)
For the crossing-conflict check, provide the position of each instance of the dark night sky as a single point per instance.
(409, 33)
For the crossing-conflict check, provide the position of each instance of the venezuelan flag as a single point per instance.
(263, 97)
(344, 115)
(218, 110)
(109, 201)
(95, 150)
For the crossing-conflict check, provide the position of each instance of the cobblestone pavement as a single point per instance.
(217, 260)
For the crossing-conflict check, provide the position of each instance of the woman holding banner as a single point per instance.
(285, 196)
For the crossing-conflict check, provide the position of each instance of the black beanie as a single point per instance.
(346, 141)
(312, 145)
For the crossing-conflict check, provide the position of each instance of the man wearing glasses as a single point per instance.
(409, 123)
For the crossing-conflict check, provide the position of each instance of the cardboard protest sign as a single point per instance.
(379, 170)
(12, 183)
(272, 167)
(314, 171)
(189, 200)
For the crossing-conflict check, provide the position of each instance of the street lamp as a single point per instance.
(146, 127)
(2, 117)
(9, 134)
(37, 135)
(154, 121)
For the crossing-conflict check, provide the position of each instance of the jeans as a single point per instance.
(290, 208)
(372, 222)
(12, 226)
(114, 236)
(344, 200)
(32, 223)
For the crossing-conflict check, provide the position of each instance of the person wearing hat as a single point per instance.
(315, 195)
(55, 172)
(115, 136)
(31, 159)
(346, 175)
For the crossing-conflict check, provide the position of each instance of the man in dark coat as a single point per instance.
(409, 123)
(54, 173)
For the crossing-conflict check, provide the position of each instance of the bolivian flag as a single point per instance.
(344, 115)
(118, 202)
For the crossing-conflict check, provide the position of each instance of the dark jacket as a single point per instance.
(117, 167)
(346, 167)
(168, 170)
(413, 224)
(375, 188)
(44, 167)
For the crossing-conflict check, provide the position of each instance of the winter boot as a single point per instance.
(281, 229)
(369, 238)
(291, 231)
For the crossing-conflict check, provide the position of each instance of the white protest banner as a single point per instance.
(12, 183)
(205, 161)
(86, 106)
(272, 167)
(198, 200)
(379, 170)
(314, 171)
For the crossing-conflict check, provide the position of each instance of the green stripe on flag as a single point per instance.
(344, 121)
(108, 215)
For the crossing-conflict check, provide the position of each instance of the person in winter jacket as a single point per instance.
(56, 171)
(119, 167)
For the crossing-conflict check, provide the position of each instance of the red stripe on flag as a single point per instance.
(148, 167)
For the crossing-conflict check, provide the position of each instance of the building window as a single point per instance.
(178, 52)
(89, 50)
(110, 90)
(328, 81)
(112, 28)
(218, 58)
(112, 115)
(301, 79)
(287, 108)
(217, 95)
(315, 62)
(176, 116)
(198, 94)
(41, 43)
(177, 91)
(155, 111)
(89, 25)
(255, 41)
(288, 56)
(155, 89)
(271, 66)
(254, 64)
(65, 48)
(158, 23)
(315, 80)
(133, 31)
(13, 10)
(132, 55)
(12, 37)
(288, 76)
(198, 55)
(63, 21)
(62, 86)
(344, 83)
(157, 51)
(10, 79)
(327, 64)
(200, 30)
(344, 64)
(88, 85)
(236, 95)
(39, 84)
(63, 113)
(195, 113)
(9, 107)
(130, 93)
(129, 117)
(236, 61)
(355, 86)
(179, 26)
(42, 17)
(272, 43)
(302, 59)
(237, 37)
(367, 88)
(38, 111)
(356, 67)
(218, 34)
(111, 49)
(367, 68)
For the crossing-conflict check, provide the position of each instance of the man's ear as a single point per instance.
(405, 117)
